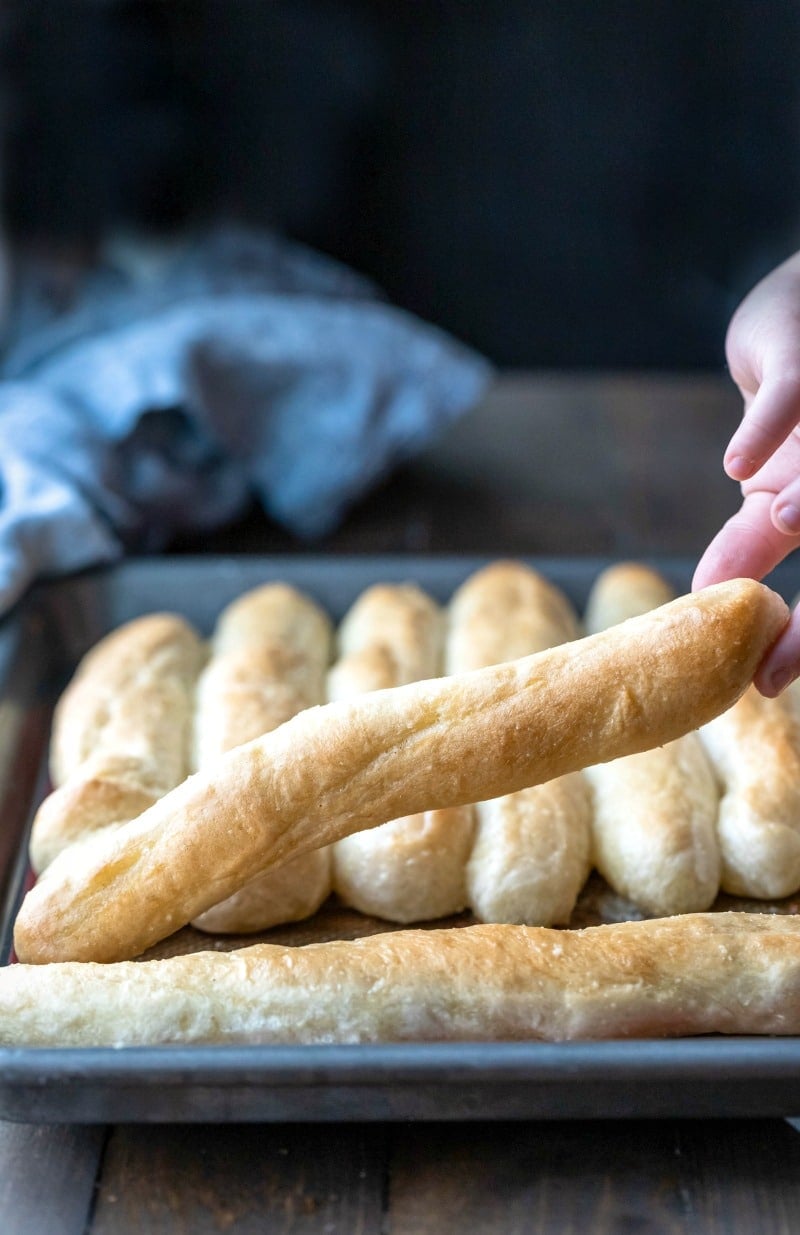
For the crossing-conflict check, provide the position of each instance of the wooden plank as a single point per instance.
(203, 1179)
(47, 1177)
(670, 1177)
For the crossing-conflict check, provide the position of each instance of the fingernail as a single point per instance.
(781, 678)
(739, 468)
(789, 518)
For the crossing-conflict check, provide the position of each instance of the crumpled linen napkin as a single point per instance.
(177, 385)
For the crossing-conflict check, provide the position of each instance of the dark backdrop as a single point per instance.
(564, 183)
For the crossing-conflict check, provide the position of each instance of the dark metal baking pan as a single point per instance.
(40, 645)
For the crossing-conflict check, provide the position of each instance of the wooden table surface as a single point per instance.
(551, 464)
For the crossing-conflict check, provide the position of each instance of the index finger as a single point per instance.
(748, 546)
(767, 421)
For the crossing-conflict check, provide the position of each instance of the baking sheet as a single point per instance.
(40, 646)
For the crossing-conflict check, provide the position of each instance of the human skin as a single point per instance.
(763, 352)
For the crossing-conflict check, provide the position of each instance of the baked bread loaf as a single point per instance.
(531, 855)
(655, 813)
(121, 732)
(755, 750)
(623, 591)
(505, 611)
(269, 655)
(338, 769)
(695, 974)
(410, 869)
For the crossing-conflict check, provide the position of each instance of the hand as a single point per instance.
(763, 350)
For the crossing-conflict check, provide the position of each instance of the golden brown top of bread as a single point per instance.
(503, 611)
(623, 591)
(696, 973)
(154, 658)
(337, 769)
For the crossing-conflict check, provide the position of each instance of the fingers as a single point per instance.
(767, 422)
(782, 664)
(785, 509)
(748, 546)
(763, 351)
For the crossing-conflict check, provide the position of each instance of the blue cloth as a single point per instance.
(172, 390)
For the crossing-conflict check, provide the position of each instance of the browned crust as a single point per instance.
(698, 973)
(337, 769)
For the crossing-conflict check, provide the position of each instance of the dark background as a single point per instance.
(560, 184)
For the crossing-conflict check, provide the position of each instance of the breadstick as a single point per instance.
(655, 813)
(531, 853)
(270, 651)
(755, 750)
(338, 769)
(696, 974)
(624, 591)
(505, 611)
(411, 869)
(120, 731)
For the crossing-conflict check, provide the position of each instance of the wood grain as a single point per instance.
(669, 1178)
(47, 1177)
(248, 1179)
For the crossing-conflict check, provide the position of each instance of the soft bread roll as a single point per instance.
(270, 651)
(335, 770)
(411, 869)
(624, 591)
(655, 813)
(531, 855)
(654, 827)
(727, 973)
(269, 655)
(502, 612)
(395, 620)
(532, 848)
(121, 731)
(755, 750)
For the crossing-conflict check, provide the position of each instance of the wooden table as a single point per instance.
(551, 464)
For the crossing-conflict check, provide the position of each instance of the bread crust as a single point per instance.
(755, 750)
(504, 611)
(338, 769)
(655, 827)
(531, 855)
(695, 974)
(411, 869)
(270, 652)
(121, 731)
(623, 591)
(655, 813)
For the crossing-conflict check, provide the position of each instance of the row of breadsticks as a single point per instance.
(666, 827)
(343, 769)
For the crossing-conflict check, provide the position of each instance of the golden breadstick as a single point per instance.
(755, 750)
(411, 869)
(120, 731)
(270, 651)
(624, 591)
(504, 611)
(733, 973)
(347, 766)
(531, 853)
(655, 813)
